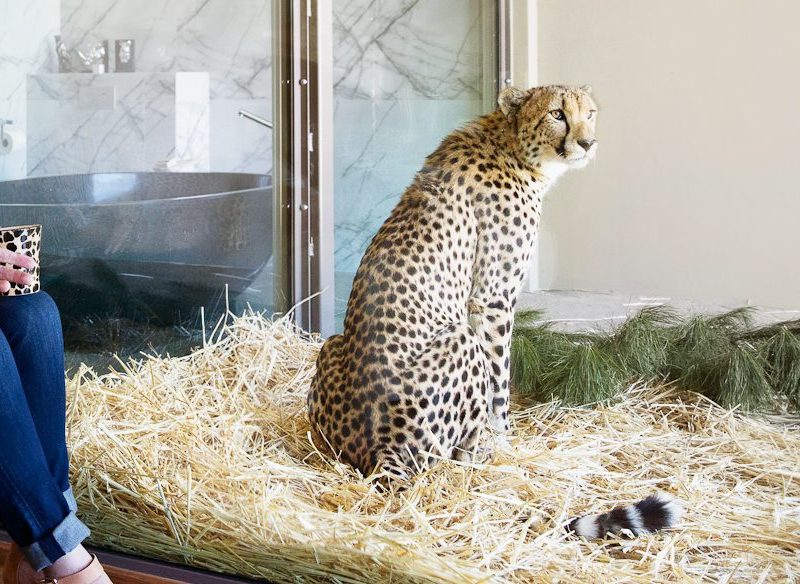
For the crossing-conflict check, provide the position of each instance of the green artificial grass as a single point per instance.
(724, 357)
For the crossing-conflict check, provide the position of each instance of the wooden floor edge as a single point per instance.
(117, 575)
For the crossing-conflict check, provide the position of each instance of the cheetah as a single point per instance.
(422, 368)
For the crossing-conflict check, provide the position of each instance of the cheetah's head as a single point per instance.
(554, 125)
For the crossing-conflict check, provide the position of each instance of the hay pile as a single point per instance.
(205, 460)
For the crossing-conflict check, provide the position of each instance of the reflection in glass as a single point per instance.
(405, 75)
(154, 195)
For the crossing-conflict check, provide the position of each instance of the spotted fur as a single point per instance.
(422, 367)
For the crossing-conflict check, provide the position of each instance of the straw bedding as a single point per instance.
(205, 459)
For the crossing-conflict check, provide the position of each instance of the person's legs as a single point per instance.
(32, 506)
(33, 328)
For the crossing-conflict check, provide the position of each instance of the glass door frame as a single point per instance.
(303, 166)
(303, 148)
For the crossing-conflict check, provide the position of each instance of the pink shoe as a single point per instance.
(91, 574)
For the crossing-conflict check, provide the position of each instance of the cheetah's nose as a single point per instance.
(586, 144)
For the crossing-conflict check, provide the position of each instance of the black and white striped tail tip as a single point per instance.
(652, 513)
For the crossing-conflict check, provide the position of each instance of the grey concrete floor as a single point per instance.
(582, 310)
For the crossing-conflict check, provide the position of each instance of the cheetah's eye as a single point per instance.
(590, 115)
(557, 114)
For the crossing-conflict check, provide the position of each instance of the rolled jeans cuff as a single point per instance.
(71, 502)
(66, 536)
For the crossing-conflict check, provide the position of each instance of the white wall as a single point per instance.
(695, 191)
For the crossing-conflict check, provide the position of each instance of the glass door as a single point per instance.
(405, 74)
(144, 142)
(139, 135)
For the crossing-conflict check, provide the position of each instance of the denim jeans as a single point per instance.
(36, 503)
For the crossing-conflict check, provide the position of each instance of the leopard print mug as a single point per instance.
(25, 239)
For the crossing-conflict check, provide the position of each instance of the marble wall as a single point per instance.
(406, 73)
(26, 41)
(229, 39)
(71, 128)
(117, 122)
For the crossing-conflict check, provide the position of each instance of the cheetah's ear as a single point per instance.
(587, 89)
(510, 99)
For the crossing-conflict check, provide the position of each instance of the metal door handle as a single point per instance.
(255, 118)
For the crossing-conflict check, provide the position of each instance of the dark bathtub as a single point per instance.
(151, 245)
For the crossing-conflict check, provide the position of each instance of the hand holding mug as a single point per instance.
(19, 259)
(17, 271)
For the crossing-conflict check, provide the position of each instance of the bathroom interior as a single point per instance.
(122, 137)
(140, 136)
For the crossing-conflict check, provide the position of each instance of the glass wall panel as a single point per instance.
(153, 193)
(406, 73)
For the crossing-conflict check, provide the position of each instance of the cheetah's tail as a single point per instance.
(648, 515)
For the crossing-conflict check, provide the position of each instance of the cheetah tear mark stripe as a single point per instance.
(651, 514)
